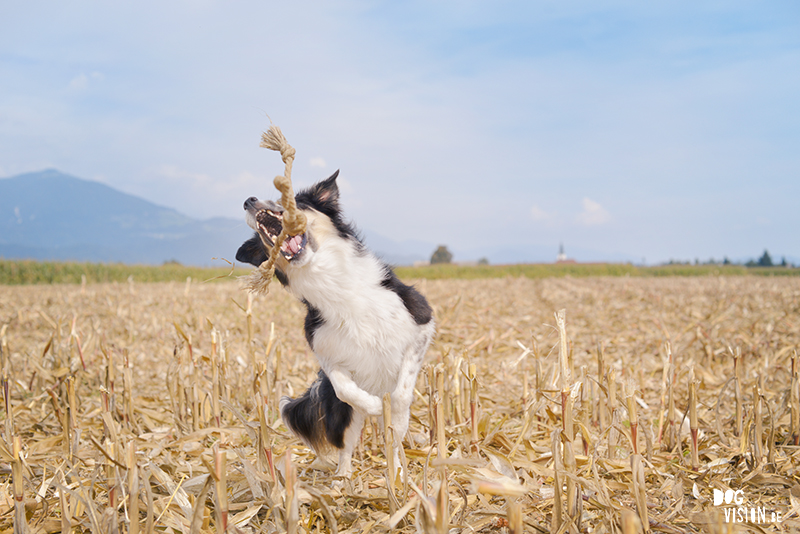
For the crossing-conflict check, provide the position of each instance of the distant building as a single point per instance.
(562, 257)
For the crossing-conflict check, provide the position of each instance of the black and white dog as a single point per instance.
(369, 331)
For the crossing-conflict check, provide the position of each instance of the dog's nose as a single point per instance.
(249, 202)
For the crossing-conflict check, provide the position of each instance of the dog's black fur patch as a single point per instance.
(303, 414)
(313, 321)
(254, 252)
(414, 302)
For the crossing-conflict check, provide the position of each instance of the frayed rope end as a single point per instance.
(274, 139)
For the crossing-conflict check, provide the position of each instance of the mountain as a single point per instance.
(50, 215)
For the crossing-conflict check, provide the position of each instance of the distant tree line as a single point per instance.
(764, 261)
(443, 255)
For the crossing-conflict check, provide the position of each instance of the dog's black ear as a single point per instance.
(252, 251)
(327, 191)
(322, 196)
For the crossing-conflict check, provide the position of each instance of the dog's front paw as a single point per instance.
(375, 406)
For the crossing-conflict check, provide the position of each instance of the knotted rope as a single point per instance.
(294, 220)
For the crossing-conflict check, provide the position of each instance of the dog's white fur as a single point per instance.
(369, 343)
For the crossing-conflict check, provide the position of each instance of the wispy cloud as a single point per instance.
(593, 213)
(538, 214)
(407, 97)
(82, 81)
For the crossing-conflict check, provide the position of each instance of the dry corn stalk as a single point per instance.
(693, 422)
(563, 352)
(432, 400)
(133, 489)
(441, 436)
(613, 433)
(630, 399)
(630, 523)
(668, 498)
(601, 413)
(110, 518)
(221, 489)
(291, 504)
(568, 395)
(215, 380)
(673, 437)
(737, 385)
(514, 514)
(4, 364)
(473, 406)
(456, 398)
(667, 363)
(388, 447)
(586, 408)
(639, 489)
(558, 506)
(794, 401)
(66, 513)
(20, 520)
(443, 505)
(758, 431)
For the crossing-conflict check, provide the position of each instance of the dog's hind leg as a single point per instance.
(403, 394)
(351, 437)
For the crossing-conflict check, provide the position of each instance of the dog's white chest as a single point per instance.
(365, 328)
(370, 342)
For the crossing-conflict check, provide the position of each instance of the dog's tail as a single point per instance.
(318, 417)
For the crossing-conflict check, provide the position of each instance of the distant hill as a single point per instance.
(50, 215)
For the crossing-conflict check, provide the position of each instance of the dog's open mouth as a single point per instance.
(270, 225)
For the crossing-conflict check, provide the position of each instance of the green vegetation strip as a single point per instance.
(17, 272)
(548, 270)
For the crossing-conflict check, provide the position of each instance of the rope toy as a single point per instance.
(294, 220)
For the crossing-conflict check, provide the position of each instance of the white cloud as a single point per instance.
(81, 81)
(593, 213)
(376, 91)
(538, 214)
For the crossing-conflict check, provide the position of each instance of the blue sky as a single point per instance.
(622, 129)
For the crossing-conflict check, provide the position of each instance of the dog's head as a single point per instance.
(320, 203)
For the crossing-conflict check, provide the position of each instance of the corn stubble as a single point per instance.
(153, 408)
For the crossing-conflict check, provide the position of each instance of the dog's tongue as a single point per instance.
(292, 245)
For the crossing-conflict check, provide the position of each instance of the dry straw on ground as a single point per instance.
(140, 408)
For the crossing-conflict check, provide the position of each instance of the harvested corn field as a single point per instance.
(153, 408)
